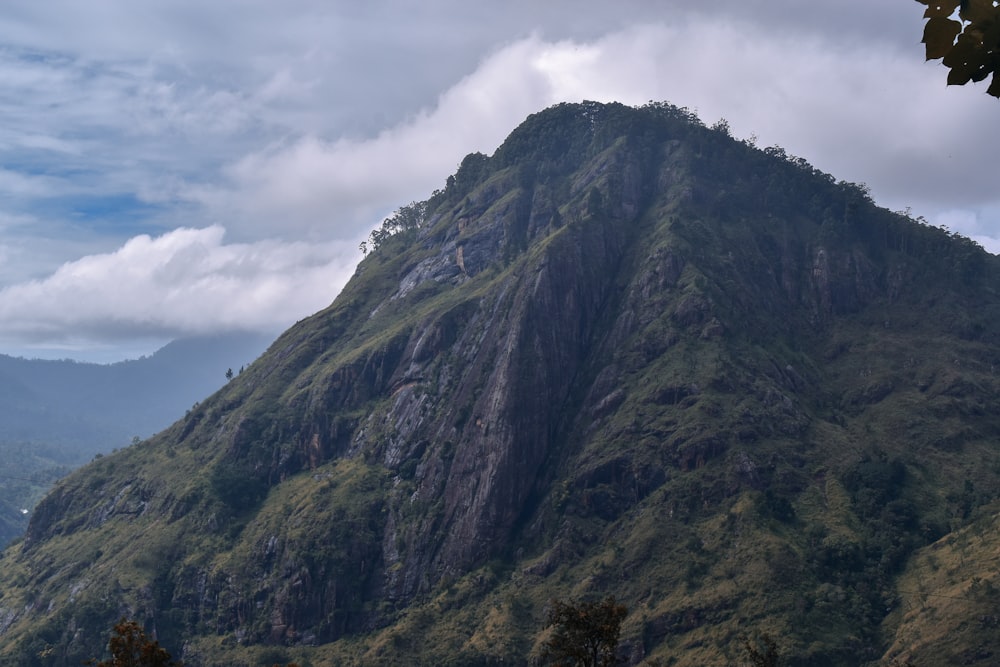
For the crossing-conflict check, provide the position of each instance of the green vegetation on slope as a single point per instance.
(626, 354)
(29, 470)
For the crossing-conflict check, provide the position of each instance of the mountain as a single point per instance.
(55, 415)
(624, 354)
(89, 407)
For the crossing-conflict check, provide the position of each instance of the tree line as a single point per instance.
(581, 633)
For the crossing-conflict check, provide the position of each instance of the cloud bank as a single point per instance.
(187, 281)
(216, 172)
(822, 100)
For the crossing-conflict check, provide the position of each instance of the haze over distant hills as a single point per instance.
(55, 415)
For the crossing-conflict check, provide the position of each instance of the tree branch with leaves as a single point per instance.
(968, 43)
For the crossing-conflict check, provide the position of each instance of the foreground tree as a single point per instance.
(130, 647)
(585, 634)
(968, 46)
(763, 652)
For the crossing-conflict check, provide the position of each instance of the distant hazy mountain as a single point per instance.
(55, 415)
(87, 408)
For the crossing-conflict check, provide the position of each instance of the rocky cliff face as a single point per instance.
(626, 354)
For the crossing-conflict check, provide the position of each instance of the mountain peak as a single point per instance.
(624, 353)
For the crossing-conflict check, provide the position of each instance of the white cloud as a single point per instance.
(297, 126)
(970, 223)
(316, 187)
(313, 186)
(262, 126)
(818, 98)
(17, 184)
(186, 281)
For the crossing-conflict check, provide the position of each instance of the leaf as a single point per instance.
(990, 30)
(980, 73)
(967, 51)
(978, 11)
(939, 8)
(994, 88)
(968, 61)
(939, 36)
(960, 75)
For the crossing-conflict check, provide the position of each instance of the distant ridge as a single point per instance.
(87, 407)
(55, 415)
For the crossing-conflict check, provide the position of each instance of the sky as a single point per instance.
(178, 167)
